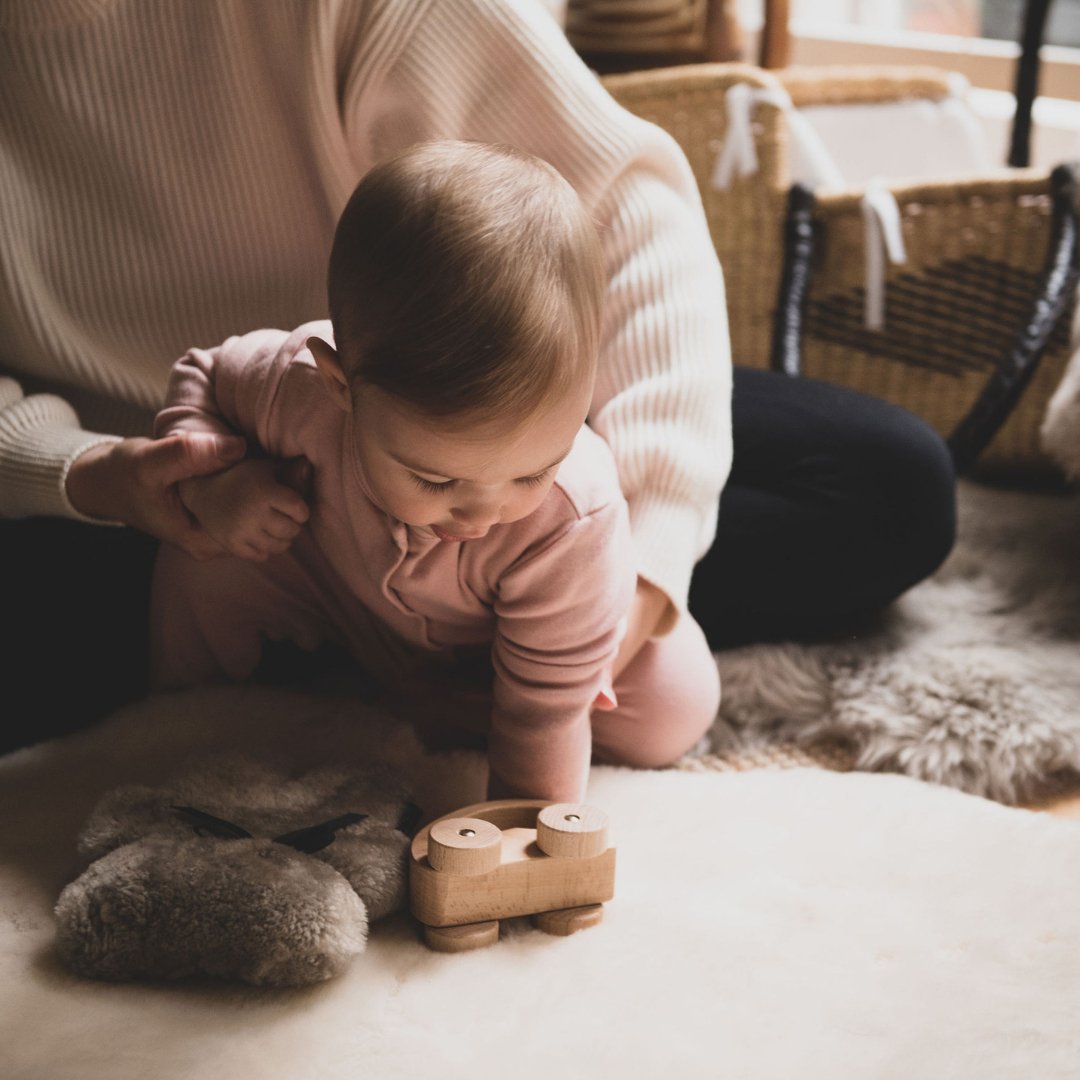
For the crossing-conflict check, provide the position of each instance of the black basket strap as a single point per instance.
(1059, 282)
(794, 281)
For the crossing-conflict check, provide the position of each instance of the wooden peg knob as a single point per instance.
(464, 846)
(571, 830)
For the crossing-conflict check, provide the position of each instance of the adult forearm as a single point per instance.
(664, 387)
(40, 438)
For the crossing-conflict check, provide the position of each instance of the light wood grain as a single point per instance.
(451, 939)
(464, 845)
(569, 920)
(571, 830)
(526, 881)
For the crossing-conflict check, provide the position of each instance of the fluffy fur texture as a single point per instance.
(160, 901)
(771, 924)
(972, 679)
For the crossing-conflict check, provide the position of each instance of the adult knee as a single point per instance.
(919, 479)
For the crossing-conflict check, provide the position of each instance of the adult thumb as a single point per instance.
(196, 453)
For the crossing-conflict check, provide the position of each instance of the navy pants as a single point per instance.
(836, 504)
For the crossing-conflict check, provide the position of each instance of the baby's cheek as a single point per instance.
(525, 503)
(405, 505)
(413, 510)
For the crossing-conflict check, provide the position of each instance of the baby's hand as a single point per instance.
(253, 509)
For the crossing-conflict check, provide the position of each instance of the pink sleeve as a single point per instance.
(227, 390)
(558, 612)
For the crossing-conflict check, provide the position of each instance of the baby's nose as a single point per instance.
(476, 515)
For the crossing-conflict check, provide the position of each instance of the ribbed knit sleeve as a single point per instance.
(499, 72)
(40, 437)
(171, 173)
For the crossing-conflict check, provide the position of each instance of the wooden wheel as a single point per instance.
(451, 939)
(567, 921)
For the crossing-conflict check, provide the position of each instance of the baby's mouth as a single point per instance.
(442, 534)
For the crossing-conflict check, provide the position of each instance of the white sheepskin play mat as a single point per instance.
(798, 923)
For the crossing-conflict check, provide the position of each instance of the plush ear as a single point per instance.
(329, 365)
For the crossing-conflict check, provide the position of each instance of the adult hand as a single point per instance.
(135, 481)
(648, 610)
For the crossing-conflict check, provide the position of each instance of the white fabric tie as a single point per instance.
(738, 155)
(884, 237)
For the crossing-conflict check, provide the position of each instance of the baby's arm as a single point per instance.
(253, 509)
(559, 612)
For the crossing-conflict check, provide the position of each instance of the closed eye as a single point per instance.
(430, 485)
(434, 488)
(533, 481)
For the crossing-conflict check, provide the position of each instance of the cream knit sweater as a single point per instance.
(171, 172)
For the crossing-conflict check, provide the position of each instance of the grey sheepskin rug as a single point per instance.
(972, 679)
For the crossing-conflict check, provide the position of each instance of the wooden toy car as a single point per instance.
(497, 860)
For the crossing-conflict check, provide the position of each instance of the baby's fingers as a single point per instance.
(273, 545)
(279, 526)
(251, 552)
(287, 502)
(255, 545)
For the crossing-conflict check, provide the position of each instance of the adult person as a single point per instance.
(172, 173)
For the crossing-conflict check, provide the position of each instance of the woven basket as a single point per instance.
(977, 259)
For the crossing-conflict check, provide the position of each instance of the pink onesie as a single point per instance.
(528, 615)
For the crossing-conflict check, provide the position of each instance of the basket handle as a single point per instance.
(1011, 376)
(1008, 381)
(786, 356)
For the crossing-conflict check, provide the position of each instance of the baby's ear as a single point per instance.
(329, 365)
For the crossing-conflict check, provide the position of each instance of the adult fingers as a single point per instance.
(192, 453)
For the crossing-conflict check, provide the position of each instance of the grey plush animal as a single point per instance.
(239, 871)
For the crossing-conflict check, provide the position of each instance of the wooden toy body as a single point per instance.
(509, 875)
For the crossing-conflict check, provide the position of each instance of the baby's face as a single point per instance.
(461, 484)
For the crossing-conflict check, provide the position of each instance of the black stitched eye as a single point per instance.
(316, 837)
(206, 824)
(309, 840)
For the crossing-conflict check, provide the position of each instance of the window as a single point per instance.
(998, 20)
(975, 37)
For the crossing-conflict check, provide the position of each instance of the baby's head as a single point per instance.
(465, 289)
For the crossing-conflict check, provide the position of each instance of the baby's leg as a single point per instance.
(208, 620)
(667, 699)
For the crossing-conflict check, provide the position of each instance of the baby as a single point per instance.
(466, 527)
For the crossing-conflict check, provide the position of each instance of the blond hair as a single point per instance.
(466, 280)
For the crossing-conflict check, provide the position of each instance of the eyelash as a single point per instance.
(434, 489)
(430, 486)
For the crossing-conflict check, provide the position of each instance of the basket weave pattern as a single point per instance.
(976, 249)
